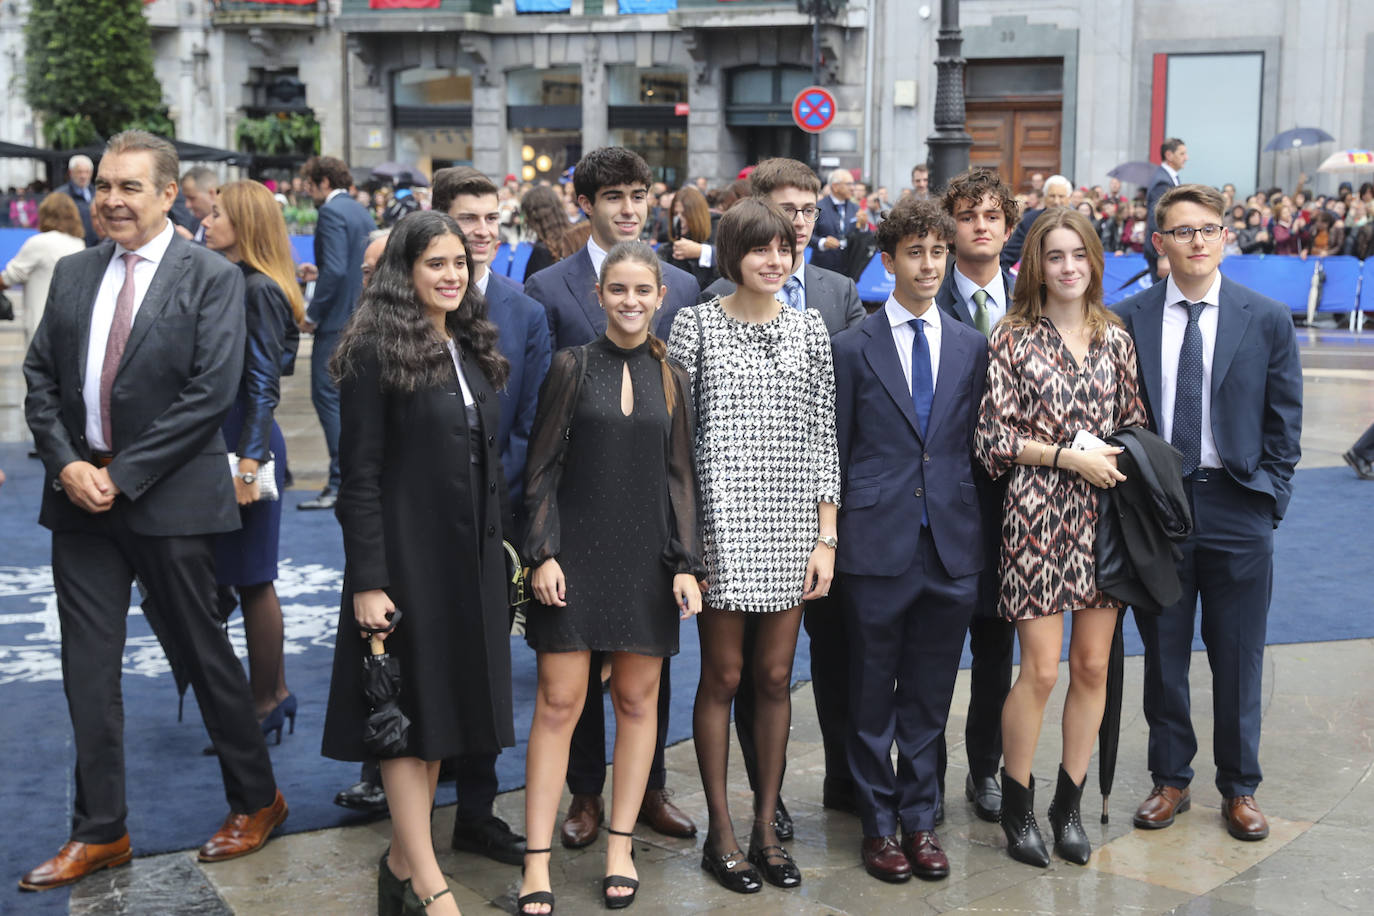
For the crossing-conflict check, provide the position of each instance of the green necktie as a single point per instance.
(980, 317)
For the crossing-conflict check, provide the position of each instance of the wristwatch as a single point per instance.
(828, 541)
(248, 477)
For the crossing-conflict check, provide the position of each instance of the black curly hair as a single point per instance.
(391, 321)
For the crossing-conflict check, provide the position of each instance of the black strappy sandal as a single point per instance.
(534, 897)
(610, 881)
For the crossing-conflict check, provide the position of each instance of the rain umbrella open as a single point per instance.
(1349, 160)
(1137, 173)
(1296, 138)
(392, 172)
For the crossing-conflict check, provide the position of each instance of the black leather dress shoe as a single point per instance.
(782, 822)
(363, 795)
(731, 869)
(491, 837)
(986, 795)
(326, 500)
(1363, 469)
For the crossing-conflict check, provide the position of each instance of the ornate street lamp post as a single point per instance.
(949, 145)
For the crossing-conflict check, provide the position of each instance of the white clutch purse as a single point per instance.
(267, 477)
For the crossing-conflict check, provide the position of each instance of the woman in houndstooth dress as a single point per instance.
(768, 467)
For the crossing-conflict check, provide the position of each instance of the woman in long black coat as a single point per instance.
(421, 506)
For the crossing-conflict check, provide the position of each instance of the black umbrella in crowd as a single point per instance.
(1109, 733)
(395, 172)
(1137, 173)
(387, 729)
(1297, 138)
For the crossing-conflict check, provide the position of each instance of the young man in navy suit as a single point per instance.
(977, 293)
(1173, 155)
(908, 383)
(612, 186)
(1222, 381)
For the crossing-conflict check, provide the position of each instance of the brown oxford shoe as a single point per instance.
(922, 850)
(1244, 820)
(75, 861)
(583, 822)
(665, 817)
(244, 833)
(1160, 806)
(884, 859)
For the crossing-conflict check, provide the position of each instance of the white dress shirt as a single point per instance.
(598, 256)
(102, 316)
(1170, 342)
(1173, 175)
(904, 335)
(481, 283)
(800, 274)
(996, 290)
(468, 399)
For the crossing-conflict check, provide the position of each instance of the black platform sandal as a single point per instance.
(534, 897)
(610, 881)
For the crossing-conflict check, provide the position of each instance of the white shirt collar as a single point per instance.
(1172, 173)
(598, 256)
(335, 193)
(897, 313)
(481, 284)
(155, 250)
(839, 204)
(1172, 296)
(996, 290)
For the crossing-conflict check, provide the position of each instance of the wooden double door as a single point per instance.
(1016, 137)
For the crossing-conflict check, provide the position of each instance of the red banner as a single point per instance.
(403, 4)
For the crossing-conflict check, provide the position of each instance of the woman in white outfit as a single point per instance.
(59, 234)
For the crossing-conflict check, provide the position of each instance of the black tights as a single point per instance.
(263, 630)
(722, 659)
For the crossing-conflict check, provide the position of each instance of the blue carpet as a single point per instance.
(175, 794)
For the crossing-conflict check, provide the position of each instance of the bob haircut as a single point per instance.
(58, 213)
(1028, 300)
(749, 224)
(918, 218)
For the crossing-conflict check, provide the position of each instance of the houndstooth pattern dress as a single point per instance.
(766, 452)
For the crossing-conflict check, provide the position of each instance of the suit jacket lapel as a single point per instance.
(953, 357)
(168, 275)
(881, 353)
(581, 283)
(87, 289)
(1233, 316)
(948, 299)
(1148, 326)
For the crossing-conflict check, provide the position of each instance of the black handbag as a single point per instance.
(6, 308)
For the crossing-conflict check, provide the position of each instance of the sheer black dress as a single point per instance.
(613, 498)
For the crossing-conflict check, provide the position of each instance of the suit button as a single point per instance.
(491, 440)
(493, 488)
(482, 396)
(491, 531)
(920, 492)
(925, 457)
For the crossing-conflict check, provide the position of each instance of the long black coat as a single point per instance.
(413, 526)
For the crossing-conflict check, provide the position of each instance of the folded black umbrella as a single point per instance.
(386, 731)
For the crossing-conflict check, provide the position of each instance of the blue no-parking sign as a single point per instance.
(814, 109)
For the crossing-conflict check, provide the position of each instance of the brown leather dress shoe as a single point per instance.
(1160, 806)
(583, 822)
(665, 817)
(922, 849)
(1244, 820)
(244, 833)
(884, 859)
(75, 861)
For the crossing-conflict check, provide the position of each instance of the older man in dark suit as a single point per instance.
(1221, 379)
(908, 384)
(794, 188)
(612, 186)
(130, 375)
(340, 238)
(837, 214)
(78, 188)
(977, 292)
(1173, 154)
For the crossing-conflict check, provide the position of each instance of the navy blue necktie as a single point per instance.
(1187, 430)
(922, 384)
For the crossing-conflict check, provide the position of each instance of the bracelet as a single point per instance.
(1043, 449)
(1057, 450)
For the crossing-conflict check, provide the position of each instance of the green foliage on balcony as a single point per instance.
(279, 134)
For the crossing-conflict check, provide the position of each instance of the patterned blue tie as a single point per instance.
(922, 385)
(1187, 431)
(792, 289)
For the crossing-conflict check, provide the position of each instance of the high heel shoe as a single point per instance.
(288, 708)
(390, 889)
(275, 721)
(610, 881)
(412, 904)
(722, 868)
(534, 897)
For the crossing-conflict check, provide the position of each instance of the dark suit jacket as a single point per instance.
(83, 207)
(176, 382)
(832, 222)
(890, 471)
(1256, 384)
(567, 290)
(953, 305)
(340, 240)
(831, 294)
(525, 343)
(1160, 182)
(1011, 251)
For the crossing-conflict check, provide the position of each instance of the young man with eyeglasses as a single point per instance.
(1221, 379)
(794, 188)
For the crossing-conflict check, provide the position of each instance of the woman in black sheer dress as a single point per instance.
(613, 542)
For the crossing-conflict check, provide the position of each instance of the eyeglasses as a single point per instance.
(808, 213)
(1184, 234)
